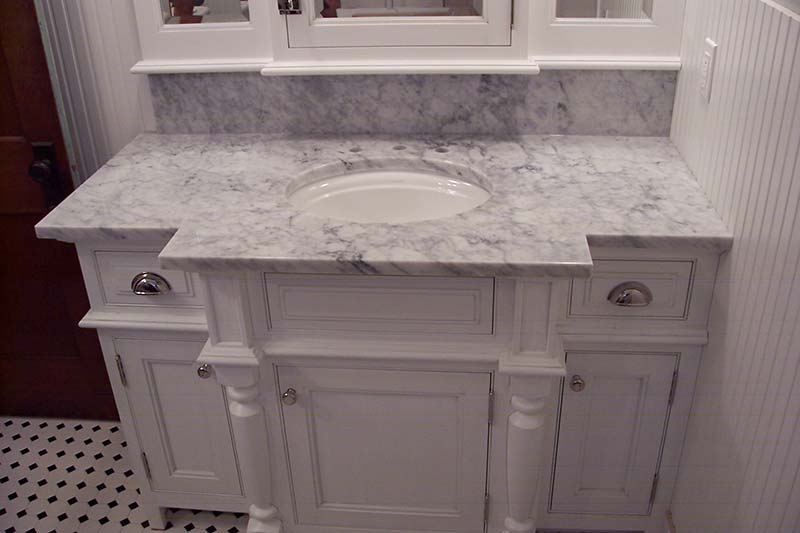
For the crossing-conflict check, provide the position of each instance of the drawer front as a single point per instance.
(669, 282)
(381, 304)
(116, 270)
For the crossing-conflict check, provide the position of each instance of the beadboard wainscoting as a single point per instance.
(630, 103)
(740, 467)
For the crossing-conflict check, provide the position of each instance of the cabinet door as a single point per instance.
(181, 420)
(611, 433)
(400, 23)
(388, 449)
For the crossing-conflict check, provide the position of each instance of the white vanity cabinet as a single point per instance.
(333, 403)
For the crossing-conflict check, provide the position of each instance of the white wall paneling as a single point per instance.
(93, 44)
(741, 462)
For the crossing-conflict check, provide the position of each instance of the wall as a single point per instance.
(567, 102)
(740, 467)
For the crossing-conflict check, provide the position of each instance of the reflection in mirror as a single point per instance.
(205, 11)
(605, 9)
(399, 8)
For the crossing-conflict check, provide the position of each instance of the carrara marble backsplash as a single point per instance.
(635, 103)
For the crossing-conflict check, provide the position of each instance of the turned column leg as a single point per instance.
(250, 431)
(525, 459)
(236, 362)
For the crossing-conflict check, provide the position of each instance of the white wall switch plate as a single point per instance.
(707, 68)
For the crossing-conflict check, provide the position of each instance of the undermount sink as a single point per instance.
(388, 193)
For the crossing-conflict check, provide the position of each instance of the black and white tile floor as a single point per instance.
(72, 476)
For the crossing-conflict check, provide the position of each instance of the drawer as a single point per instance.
(669, 283)
(116, 269)
(381, 304)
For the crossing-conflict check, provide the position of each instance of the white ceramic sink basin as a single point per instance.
(390, 196)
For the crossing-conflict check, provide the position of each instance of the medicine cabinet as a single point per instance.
(285, 37)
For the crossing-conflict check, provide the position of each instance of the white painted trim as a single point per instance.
(608, 63)
(165, 322)
(311, 69)
(191, 66)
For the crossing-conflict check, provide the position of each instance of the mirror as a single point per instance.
(398, 8)
(204, 11)
(605, 9)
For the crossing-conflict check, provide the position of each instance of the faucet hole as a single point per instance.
(442, 150)
(400, 147)
(355, 149)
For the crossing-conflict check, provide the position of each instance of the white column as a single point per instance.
(525, 454)
(250, 431)
(236, 362)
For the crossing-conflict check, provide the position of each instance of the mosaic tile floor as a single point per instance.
(72, 476)
(68, 476)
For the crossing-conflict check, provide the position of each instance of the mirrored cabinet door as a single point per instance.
(628, 33)
(373, 23)
(605, 9)
(204, 11)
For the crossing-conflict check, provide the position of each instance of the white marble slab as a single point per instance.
(221, 201)
(573, 102)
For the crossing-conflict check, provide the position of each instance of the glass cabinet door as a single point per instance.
(345, 23)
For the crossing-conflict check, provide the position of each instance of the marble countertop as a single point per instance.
(220, 202)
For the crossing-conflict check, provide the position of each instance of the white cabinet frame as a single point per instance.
(653, 43)
(492, 28)
(211, 47)
(284, 45)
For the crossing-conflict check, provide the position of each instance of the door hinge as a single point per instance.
(654, 490)
(121, 370)
(486, 508)
(146, 466)
(673, 387)
(491, 407)
(289, 7)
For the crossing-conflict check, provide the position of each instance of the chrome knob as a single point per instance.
(149, 284)
(577, 384)
(630, 294)
(289, 397)
(204, 371)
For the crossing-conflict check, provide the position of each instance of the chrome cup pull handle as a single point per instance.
(631, 294)
(149, 284)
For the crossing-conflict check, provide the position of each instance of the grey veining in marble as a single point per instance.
(224, 199)
(632, 103)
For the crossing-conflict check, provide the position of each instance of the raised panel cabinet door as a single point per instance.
(386, 449)
(614, 412)
(181, 420)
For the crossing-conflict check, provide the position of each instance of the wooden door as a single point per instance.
(611, 432)
(385, 449)
(48, 367)
(181, 420)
